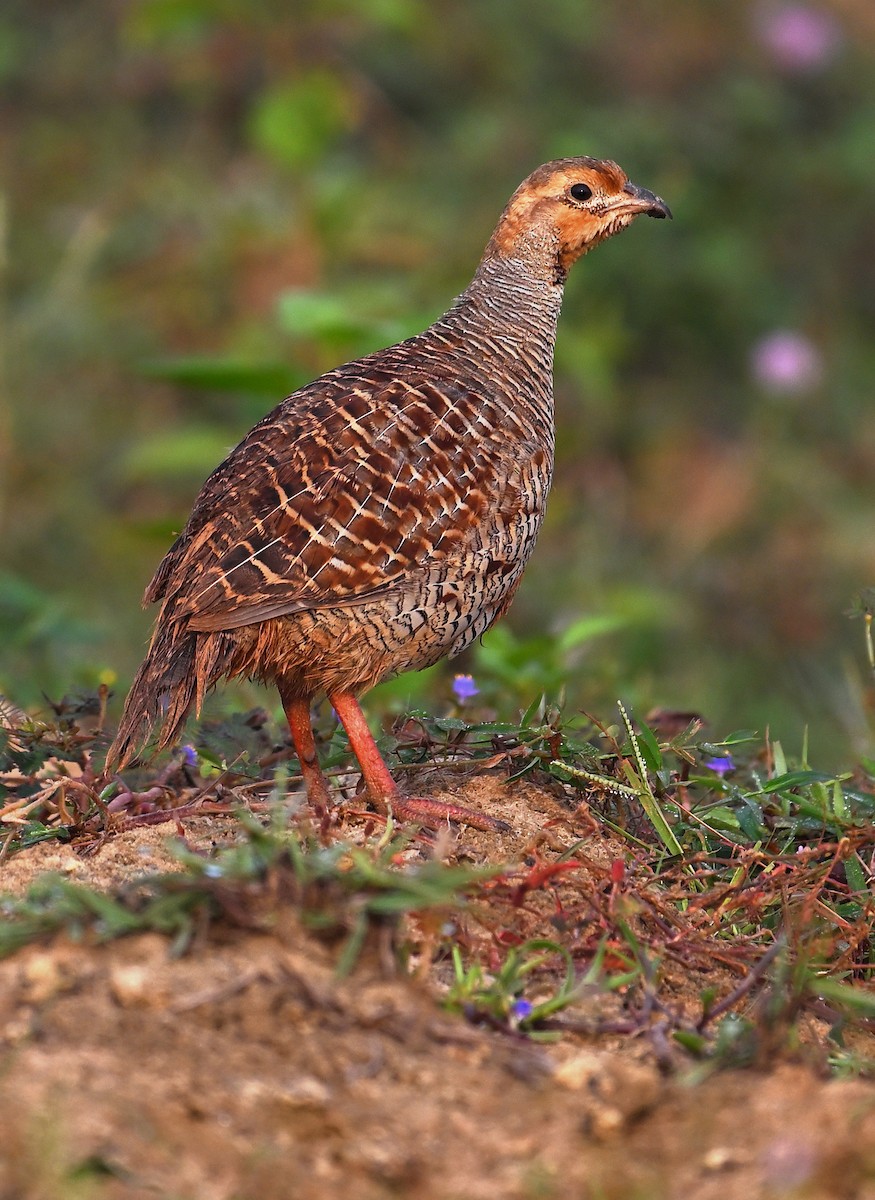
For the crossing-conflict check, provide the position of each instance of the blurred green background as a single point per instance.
(207, 202)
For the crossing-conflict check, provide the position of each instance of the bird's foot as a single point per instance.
(426, 811)
(382, 788)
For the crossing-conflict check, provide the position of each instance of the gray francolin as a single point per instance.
(380, 518)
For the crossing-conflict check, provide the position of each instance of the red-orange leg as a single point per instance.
(382, 788)
(301, 728)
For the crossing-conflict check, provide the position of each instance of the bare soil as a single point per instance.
(246, 1070)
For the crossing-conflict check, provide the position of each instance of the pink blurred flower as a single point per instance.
(799, 37)
(789, 1163)
(786, 362)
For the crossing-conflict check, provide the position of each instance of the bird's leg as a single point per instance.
(301, 728)
(382, 788)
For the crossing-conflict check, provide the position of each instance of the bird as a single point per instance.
(380, 518)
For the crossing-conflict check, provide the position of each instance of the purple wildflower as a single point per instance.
(189, 756)
(521, 1009)
(785, 362)
(464, 688)
(799, 37)
(721, 765)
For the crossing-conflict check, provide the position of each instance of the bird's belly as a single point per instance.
(435, 614)
(447, 606)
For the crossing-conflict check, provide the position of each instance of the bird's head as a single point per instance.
(565, 208)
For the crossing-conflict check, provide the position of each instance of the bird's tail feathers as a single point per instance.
(178, 670)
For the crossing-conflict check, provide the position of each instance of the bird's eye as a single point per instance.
(580, 191)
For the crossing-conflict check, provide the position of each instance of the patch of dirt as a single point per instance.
(248, 1069)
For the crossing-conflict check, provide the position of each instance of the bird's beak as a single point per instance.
(641, 201)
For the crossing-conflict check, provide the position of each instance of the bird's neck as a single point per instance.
(510, 310)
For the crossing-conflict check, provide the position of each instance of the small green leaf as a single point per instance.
(585, 629)
(779, 759)
(750, 824)
(846, 995)
(856, 876)
(35, 832)
(696, 1043)
(733, 739)
(868, 765)
(794, 779)
(722, 818)
(296, 122)
(226, 374)
(450, 724)
(650, 747)
(839, 807)
(191, 451)
(306, 313)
